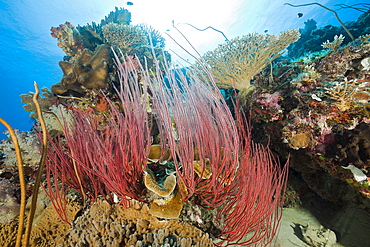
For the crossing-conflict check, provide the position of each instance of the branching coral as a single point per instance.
(334, 45)
(342, 94)
(119, 15)
(235, 62)
(124, 36)
(154, 37)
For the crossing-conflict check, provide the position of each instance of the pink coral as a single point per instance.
(270, 100)
(69, 39)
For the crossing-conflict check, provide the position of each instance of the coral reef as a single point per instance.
(324, 105)
(209, 158)
(88, 72)
(312, 37)
(196, 190)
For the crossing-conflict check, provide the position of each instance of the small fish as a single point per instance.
(266, 31)
(300, 15)
(130, 3)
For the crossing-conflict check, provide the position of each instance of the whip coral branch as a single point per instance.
(246, 181)
(253, 209)
(204, 128)
(108, 157)
(22, 182)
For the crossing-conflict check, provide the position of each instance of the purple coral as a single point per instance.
(270, 101)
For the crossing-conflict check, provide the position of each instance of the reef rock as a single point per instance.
(88, 72)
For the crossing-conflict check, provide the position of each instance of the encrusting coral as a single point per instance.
(89, 71)
(234, 63)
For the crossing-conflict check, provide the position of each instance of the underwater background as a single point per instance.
(260, 139)
(28, 52)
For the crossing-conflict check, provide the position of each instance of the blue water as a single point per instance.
(28, 53)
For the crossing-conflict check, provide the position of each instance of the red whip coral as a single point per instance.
(211, 153)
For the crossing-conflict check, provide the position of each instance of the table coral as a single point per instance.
(89, 71)
(235, 62)
(45, 102)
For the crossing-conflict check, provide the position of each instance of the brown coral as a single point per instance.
(164, 189)
(301, 140)
(113, 225)
(89, 71)
(342, 94)
(167, 208)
